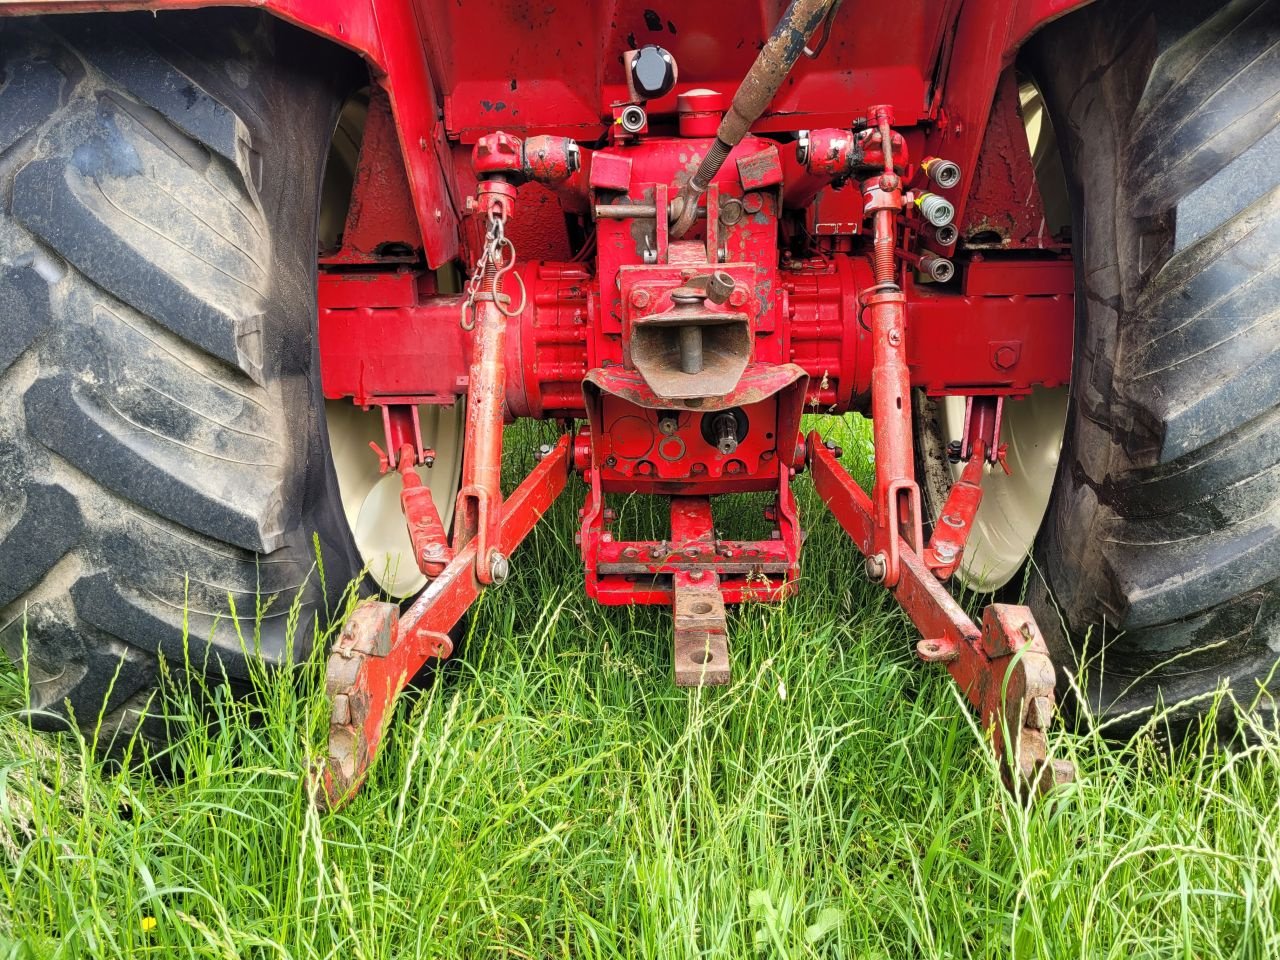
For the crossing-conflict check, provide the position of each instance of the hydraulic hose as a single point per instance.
(784, 47)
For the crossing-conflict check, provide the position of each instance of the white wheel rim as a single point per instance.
(371, 501)
(1013, 506)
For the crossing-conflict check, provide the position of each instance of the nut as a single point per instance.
(1005, 357)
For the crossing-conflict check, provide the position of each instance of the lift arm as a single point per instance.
(1004, 669)
(379, 650)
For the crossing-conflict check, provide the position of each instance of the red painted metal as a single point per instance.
(1009, 330)
(700, 112)
(381, 336)
(1004, 210)
(976, 53)
(478, 513)
(543, 159)
(381, 226)
(497, 160)
(982, 420)
(1004, 669)
(380, 650)
(896, 494)
(556, 70)
(568, 72)
(431, 550)
(402, 439)
(623, 573)
(376, 331)
(626, 430)
(955, 521)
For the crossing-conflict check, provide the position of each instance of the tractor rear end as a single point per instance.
(733, 272)
(675, 234)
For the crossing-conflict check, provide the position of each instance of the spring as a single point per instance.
(884, 242)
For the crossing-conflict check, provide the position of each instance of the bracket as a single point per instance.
(431, 550)
(955, 522)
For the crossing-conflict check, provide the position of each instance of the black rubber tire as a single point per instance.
(162, 442)
(1161, 550)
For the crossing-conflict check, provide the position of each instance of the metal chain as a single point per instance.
(500, 252)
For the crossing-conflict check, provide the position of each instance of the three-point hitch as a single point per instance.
(688, 350)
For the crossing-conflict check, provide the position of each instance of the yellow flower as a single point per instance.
(148, 924)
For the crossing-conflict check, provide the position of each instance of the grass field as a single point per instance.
(550, 794)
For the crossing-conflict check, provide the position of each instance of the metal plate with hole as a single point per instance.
(701, 656)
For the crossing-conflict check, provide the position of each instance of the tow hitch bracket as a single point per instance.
(701, 654)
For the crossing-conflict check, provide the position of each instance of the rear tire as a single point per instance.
(161, 422)
(1159, 558)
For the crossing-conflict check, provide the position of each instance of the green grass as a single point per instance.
(550, 794)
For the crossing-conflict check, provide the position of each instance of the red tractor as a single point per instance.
(276, 273)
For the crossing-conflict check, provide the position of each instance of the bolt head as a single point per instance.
(640, 299)
(738, 298)
(1005, 357)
